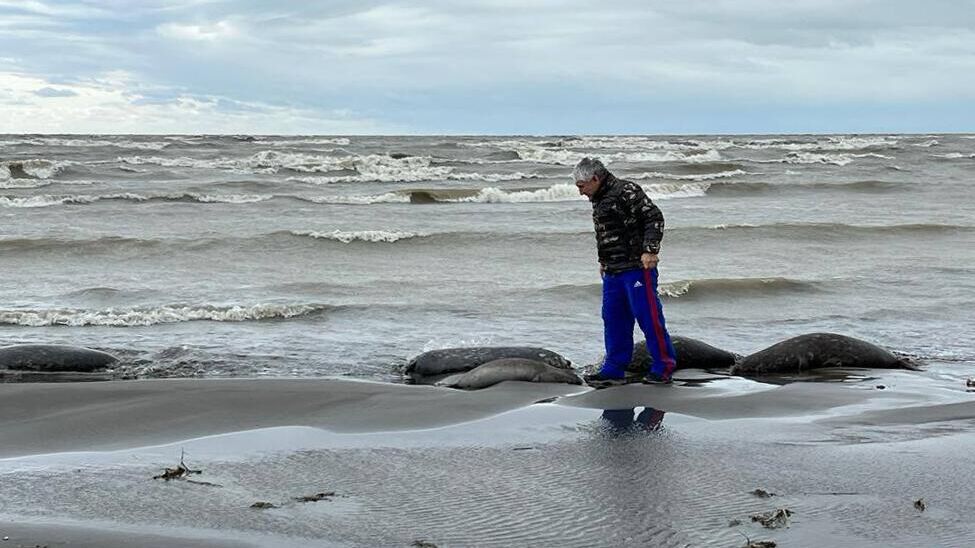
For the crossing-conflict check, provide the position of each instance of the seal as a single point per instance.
(53, 358)
(431, 367)
(510, 369)
(691, 354)
(818, 350)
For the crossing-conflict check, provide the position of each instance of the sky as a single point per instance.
(540, 67)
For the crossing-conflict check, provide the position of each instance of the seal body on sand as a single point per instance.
(510, 369)
(691, 354)
(53, 357)
(818, 350)
(433, 366)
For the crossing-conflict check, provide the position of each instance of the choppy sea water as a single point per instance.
(297, 256)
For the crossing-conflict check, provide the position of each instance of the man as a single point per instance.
(629, 228)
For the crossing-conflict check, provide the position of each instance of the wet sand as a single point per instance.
(489, 468)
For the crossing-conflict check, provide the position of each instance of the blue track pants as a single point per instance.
(627, 296)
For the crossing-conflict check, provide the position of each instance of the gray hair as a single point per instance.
(587, 168)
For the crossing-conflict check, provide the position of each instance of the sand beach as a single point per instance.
(516, 464)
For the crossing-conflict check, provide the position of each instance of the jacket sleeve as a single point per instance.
(647, 213)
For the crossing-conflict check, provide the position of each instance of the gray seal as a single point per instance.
(433, 366)
(691, 354)
(53, 358)
(819, 350)
(510, 369)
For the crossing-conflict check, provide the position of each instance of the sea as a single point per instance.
(308, 256)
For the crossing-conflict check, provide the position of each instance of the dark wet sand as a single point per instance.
(488, 468)
(56, 417)
(21, 535)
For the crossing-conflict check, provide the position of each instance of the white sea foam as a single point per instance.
(339, 141)
(674, 289)
(368, 168)
(387, 198)
(571, 157)
(559, 150)
(21, 183)
(372, 236)
(953, 155)
(691, 177)
(229, 198)
(637, 143)
(47, 200)
(732, 226)
(44, 201)
(830, 143)
(358, 168)
(664, 191)
(143, 316)
(37, 168)
(400, 174)
(567, 192)
(62, 142)
(929, 143)
(181, 161)
(491, 195)
(491, 177)
(838, 159)
(600, 142)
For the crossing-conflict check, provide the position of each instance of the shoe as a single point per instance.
(652, 378)
(598, 380)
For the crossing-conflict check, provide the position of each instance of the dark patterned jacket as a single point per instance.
(628, 224)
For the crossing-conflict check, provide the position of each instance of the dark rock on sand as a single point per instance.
(431, 367)
(510, 369)
(774, 519)
(818, 350)
(53, 357)
(691, 354)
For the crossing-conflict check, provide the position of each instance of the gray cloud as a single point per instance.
(389, 59)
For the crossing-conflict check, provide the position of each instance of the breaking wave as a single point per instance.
(840, 159)
(387, 198)
(555, 193)
(336, 141)
(578, 145)
(828, 143)
(331, 169)
(31, 169)
(571, 157)
(954, 155)
(372, 236)
(145, 316)
(440, 173)
(735, 287)
(81, 199)
(88, 143)
(690, 177)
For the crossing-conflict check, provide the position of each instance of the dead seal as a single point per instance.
(431, 367)
(816, 351)
(691, 354)
(53, 358)
(510, 369)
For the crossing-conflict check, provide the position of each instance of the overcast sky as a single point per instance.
(487, 66)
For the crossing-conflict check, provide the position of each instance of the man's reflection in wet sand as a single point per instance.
(649, 419)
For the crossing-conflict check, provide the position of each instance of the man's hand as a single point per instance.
(602, 270)
(649, 260)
